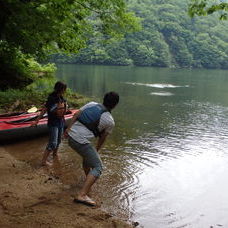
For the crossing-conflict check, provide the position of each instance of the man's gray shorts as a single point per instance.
(91, 158)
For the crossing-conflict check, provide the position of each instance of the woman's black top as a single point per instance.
(51, 105)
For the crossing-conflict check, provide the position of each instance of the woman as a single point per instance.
(55, 107)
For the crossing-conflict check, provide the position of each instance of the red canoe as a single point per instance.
(20, 127)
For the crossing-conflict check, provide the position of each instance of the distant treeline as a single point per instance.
(169, 38)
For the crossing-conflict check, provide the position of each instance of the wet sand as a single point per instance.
(34, 197)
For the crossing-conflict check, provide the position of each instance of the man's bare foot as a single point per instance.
(85, 200)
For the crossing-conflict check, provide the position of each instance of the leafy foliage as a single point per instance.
(38, 28)
(18, 69)
(13, 67)
(206, 7)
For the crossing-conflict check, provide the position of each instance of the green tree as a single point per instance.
(206, 7)
(39, 28)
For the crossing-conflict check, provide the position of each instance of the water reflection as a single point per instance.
(161, 86)
(183, 183)
(189, 190)
(162, 93)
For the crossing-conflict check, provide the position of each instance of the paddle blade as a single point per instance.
(31, 110)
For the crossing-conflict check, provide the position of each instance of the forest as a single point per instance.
(169, 37)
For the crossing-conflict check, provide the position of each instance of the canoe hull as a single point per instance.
(22, 133)
(11, 132)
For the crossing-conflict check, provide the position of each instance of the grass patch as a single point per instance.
(21, 100)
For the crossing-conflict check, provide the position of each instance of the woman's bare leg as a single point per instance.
(45, 157)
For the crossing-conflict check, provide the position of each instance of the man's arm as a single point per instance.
(73, 120)
(101, 140)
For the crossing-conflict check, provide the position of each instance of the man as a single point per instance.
(92, 120)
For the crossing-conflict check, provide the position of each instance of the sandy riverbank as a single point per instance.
(33, 197)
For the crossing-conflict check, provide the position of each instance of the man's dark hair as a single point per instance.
(59, 87)
(111, 99)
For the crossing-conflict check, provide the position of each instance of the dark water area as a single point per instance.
(166, 161)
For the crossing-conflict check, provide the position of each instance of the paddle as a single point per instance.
(11, 115)
(32, 110)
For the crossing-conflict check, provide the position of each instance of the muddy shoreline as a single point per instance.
(34, 197)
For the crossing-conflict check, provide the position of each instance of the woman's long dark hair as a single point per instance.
(59, 88)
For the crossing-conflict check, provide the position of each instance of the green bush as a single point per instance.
(14, 72)
(18, 70)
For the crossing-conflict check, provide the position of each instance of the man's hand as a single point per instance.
(101, 140)
(73, 120)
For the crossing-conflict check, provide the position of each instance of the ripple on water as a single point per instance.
(162, 93)
(182, 170)
(156, 85)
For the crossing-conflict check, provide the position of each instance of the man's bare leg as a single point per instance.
(86, 169)
(82, 196)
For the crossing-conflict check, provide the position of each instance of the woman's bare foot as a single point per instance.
(55, 156)
(46, 163)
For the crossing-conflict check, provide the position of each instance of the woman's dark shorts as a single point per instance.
(55, 135)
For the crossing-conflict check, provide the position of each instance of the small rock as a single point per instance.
(135, 224)
(67, 187)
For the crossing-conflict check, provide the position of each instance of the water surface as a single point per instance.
(169, 148)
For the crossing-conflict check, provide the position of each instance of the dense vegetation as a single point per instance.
(169, 38)
(34, 29)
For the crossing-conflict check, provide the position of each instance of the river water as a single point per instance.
(168, 152)
(166, 163)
